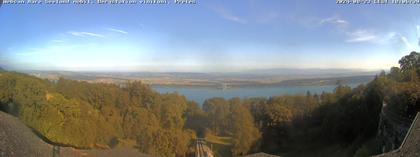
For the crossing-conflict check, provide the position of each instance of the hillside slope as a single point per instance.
(17, 140)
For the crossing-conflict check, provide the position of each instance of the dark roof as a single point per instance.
(260, 155)
(18, 140)
(411, 144)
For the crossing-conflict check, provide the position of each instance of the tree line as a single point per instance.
(339, 123)
(99, 115)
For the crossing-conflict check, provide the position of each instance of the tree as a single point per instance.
(410, 63)
(172, 110)
(196, 118)
(244, 132)
(341, 90)
(218, 110)
(395, 74)
(98, 115)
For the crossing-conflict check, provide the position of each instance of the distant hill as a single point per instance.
(311, 72)
(269, 77)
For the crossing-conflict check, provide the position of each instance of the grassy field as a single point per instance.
(221, 146)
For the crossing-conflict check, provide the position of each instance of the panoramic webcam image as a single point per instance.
(209, 78)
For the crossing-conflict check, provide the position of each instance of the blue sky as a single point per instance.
(210, 36)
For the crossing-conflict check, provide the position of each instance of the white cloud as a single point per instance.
(376, 38)
(383, 38)
(117, 30)
(361, 36)
(85, 34)
(394, 36)
(228, 15)
(406, 42)
(335, 20)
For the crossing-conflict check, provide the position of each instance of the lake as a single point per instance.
(200, 94)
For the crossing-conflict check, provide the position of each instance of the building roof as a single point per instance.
(410, 147)
(261, 154)
(18, 140)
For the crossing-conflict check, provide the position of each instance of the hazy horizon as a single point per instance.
(216, 36)
(244, 71)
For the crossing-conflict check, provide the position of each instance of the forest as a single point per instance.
(103, 116)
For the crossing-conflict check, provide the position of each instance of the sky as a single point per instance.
(209, 36)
